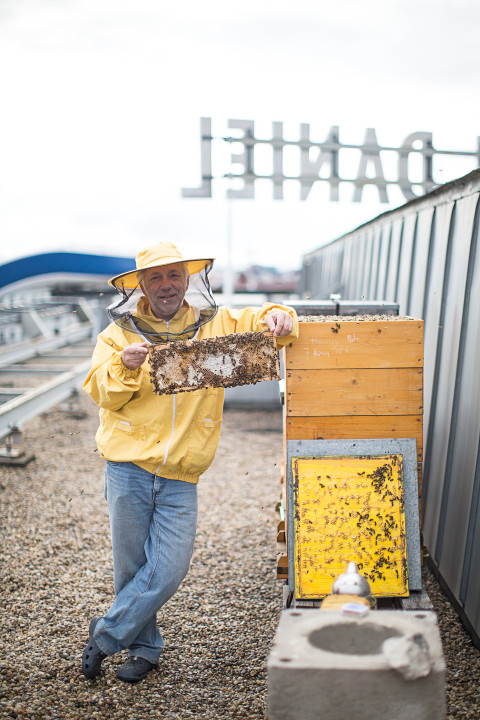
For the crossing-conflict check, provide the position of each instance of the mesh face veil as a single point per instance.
(127, 312)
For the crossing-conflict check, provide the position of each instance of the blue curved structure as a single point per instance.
(62, 262)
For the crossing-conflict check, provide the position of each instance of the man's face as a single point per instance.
(165, 288)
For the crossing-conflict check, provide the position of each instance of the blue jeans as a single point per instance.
(153, 522)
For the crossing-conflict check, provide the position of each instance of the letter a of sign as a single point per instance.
(370, 155)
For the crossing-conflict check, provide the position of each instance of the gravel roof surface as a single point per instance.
(219, 626)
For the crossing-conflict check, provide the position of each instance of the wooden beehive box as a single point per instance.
(355, 377)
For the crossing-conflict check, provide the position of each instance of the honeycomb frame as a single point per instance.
(225, 361)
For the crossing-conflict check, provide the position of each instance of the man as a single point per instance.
(156, 447)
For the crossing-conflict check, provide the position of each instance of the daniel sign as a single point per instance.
(320, 162)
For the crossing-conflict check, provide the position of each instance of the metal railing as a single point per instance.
(45, 367)
(425, 256)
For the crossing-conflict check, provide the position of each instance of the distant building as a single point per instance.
(260, 279)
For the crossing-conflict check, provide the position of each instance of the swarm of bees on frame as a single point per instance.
(227, 361)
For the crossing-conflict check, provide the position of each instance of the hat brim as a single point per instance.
(130, 279)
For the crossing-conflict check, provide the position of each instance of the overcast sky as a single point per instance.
(101, 103)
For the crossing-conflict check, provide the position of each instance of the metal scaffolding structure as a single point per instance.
(46, 367)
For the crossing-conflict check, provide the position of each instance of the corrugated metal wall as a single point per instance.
(425, 256)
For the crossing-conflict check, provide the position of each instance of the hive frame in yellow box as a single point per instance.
(396, 456)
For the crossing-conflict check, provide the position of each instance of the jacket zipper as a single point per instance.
(173, 430)
(173, 419)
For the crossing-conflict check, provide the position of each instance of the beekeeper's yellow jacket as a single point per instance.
(174, 436)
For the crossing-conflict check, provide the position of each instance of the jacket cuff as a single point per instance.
(121, 369)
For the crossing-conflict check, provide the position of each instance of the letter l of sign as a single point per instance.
(205, 189)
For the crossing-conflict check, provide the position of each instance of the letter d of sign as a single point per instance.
(425, 138)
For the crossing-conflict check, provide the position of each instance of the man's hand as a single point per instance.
(134, 355)
(279, 322)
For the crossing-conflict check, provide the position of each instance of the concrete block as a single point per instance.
(325, 664)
